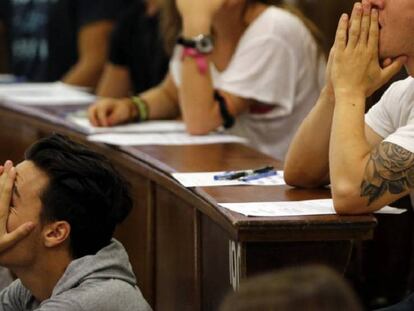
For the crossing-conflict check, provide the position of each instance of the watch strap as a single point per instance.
(186, 42)
(202, 43)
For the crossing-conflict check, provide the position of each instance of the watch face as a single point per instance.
(204, 43)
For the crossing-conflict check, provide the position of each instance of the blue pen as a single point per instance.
(258, 175)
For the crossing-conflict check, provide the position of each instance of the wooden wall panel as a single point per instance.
(176, 248)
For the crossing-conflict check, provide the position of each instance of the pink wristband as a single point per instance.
(200, 58)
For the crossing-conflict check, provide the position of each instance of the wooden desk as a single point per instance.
(187, 251)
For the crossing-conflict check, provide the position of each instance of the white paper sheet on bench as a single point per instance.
(293, 208)
(43, 94)
(206, 179)
(163, 126)
(164, 139)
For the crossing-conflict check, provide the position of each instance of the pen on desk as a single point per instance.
(258, 175)
(231, 175)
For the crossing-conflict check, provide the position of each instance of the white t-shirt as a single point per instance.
(276, 63)
(393, 116)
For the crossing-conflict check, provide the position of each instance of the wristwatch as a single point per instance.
(202, 43)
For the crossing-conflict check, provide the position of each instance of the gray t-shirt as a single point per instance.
(103, 282)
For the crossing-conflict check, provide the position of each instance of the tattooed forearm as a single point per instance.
(389, 169)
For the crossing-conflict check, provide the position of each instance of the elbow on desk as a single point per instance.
(348, 201)
(198, 128)
(298, 178)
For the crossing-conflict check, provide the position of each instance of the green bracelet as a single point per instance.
(142, 107)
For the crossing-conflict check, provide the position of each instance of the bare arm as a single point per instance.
(195, 100)
(200, 111)
(355, 167)
(92, 47)
(162, 104)
(307, 162)
(115, 82)
(163, 100)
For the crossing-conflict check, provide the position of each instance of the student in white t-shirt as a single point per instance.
(393, 118)
(248, 66)
(369, 160)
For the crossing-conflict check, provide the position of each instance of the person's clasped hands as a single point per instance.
(356, 65)
(9, 239)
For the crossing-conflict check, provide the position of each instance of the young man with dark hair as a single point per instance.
(64, 202)
(368, 159)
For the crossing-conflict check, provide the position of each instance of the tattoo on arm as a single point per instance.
(389, 169)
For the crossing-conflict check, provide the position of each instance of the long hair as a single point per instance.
(171, 23)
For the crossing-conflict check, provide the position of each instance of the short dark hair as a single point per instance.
(312, 288)
(84, 189)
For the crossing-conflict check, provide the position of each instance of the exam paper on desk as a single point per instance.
(119, 139)
(206, 179)
(43, 94)
(162, 126)
(293, 208)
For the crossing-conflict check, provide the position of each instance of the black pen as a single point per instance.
(238, 174)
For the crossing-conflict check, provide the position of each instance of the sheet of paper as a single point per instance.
(293, 208)
(162, 126)
(7, 78)
(164, 139)
(206, 179)
(43, 94)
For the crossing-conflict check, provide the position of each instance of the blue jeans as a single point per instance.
(406, 305)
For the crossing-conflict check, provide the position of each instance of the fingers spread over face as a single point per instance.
(5, 169)
(5, 197)
(9, 239)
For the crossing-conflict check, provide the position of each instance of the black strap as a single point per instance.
(186, 42)
(228, 119)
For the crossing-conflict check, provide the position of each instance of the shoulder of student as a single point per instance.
(105, 295)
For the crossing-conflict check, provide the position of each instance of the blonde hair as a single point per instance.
(171, 23)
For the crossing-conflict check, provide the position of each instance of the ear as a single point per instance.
(56, 233)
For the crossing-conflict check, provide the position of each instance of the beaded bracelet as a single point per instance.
(142, 107)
